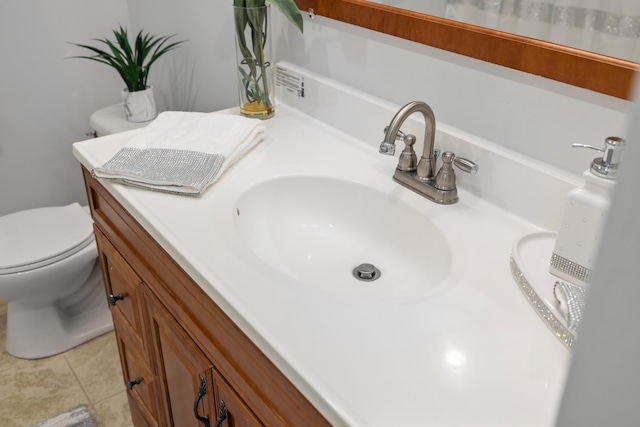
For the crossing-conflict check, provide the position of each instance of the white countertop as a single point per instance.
(472, 352)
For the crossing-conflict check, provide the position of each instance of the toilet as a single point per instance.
(51, 279)
(49, 270)
(111, 119)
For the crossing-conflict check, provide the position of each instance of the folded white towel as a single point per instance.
(183, 152)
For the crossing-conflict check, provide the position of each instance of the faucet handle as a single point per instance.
(446, 178)
(465, 165)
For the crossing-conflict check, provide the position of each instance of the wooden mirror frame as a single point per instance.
(607, 75)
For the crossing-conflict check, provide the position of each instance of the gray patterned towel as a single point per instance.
(182, 152)
(78, 416)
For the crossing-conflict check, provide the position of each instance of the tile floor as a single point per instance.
(32, 390)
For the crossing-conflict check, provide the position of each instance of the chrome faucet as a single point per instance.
(426, 167)
(421, 177)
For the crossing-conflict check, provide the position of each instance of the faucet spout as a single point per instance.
(427, 164)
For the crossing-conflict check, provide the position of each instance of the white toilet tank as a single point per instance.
(111, 119)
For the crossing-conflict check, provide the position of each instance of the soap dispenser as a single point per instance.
(584, 215)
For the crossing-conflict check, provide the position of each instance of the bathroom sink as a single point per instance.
(318, 229)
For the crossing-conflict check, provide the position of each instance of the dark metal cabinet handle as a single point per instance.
(201, 393)
(222, 415)
(115, 298)
(130, 383)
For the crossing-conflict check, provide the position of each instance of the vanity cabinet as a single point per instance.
(184, 361)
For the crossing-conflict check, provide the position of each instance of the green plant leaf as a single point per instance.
(287, 7)
(122, 38)
(290, 10)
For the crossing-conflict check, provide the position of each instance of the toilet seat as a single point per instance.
(39, 237)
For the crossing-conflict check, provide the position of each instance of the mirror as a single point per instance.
(593, 71)
(608, 27)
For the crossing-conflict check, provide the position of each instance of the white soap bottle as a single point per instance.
(584, 215)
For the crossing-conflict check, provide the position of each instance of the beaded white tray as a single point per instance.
(530, 260)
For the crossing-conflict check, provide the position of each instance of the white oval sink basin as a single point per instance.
(317, 229)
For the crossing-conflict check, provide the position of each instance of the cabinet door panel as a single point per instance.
(180, 365)
(137, 374)
(120, 282)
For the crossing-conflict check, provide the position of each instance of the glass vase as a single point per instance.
(256, 71)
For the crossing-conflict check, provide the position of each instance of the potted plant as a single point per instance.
(253, 51)
(133, 64)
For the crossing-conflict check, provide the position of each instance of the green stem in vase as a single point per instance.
(259, 27)
(287, 7)
(251, 37)
(252, 26)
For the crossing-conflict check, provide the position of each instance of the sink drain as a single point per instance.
(366, 272)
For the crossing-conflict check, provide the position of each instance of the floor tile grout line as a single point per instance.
(91, 404)
(75, 375)
(111, 396)
(93, 410)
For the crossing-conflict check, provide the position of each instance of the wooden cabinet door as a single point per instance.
(180, 367)
(121, 282)
(138, 377)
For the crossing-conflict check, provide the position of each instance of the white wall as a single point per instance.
(46, 100)
(200, 75)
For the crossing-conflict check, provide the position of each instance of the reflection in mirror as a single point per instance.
(578, 67)
(433, 8)
(608, 27)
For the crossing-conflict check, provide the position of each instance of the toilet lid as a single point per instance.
(38, 237)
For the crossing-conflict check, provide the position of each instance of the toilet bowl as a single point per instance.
(51, 279)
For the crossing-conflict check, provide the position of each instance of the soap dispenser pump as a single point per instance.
(585, 210)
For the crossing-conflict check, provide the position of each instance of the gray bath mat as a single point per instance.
(78, 416)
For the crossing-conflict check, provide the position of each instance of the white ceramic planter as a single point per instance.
(139, 106)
